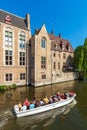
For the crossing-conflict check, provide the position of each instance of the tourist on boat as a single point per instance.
(41, 102)
(23, 108)
(32, 105)
(46, 100)
(37, 103)
(26, 103)
(34, 100)
(59, 96)
(55, 99)
(19, 105)
(50, 99)
(66, 95)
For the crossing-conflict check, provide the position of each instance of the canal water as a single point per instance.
(71, 117)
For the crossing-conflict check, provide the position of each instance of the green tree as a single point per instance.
(80, 58)
(85, 59)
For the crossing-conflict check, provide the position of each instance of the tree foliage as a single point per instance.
(80, 58)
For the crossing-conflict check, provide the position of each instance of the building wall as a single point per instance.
(53, 75)
(32, 63)
(57, 74)
(39, 52)
(15, 69)
(34, 52)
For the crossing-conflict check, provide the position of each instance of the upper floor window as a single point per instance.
(22, 40)
(43, 43)
(64, 55)
(22, 58)
(54, 54)
(54, 65)
(8, 57)
(64, 63)
(58, 65)
(8, 37)
(43, 62)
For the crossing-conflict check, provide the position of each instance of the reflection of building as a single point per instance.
(38, 60)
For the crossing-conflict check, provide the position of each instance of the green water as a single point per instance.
(74, 116)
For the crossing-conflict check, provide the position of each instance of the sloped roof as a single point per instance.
(15, 20)
(58, 40)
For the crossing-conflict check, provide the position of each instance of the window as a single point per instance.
(22, 40)
(22, 58)
(64, 55)
(43, 62)
(8, 57)
(8, 37)
(55, 45)
(58, 65)
(22, 76)
(43, 43)
(54, 65)
(8, 77)
(54, 54)
(43, 76)
(64, 63)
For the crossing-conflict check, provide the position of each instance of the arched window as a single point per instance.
(22, 40)
(8, 37)
(43, 42)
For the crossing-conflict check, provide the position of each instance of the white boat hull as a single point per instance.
(43, 108)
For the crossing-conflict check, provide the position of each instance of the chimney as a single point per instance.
(28, 21)
(36, 31)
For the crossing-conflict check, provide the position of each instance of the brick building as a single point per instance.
(37, 60)
(14, 37)
(51, 58)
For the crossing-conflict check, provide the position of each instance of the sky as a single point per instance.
(67, 17)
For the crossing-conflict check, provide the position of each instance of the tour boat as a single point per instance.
(45, 108)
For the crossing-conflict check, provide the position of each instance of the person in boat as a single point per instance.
(23, 108)
(58, 96)
(19, 105)
(37, 103)
(66, 95)
(46, 100)
(34, 100)
(32, 105)
(55, 99)
(26, 103)
(41, 102)
(50, 99)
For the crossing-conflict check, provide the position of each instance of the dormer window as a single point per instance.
(68, 47)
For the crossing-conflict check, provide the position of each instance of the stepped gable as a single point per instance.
(11, 19)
